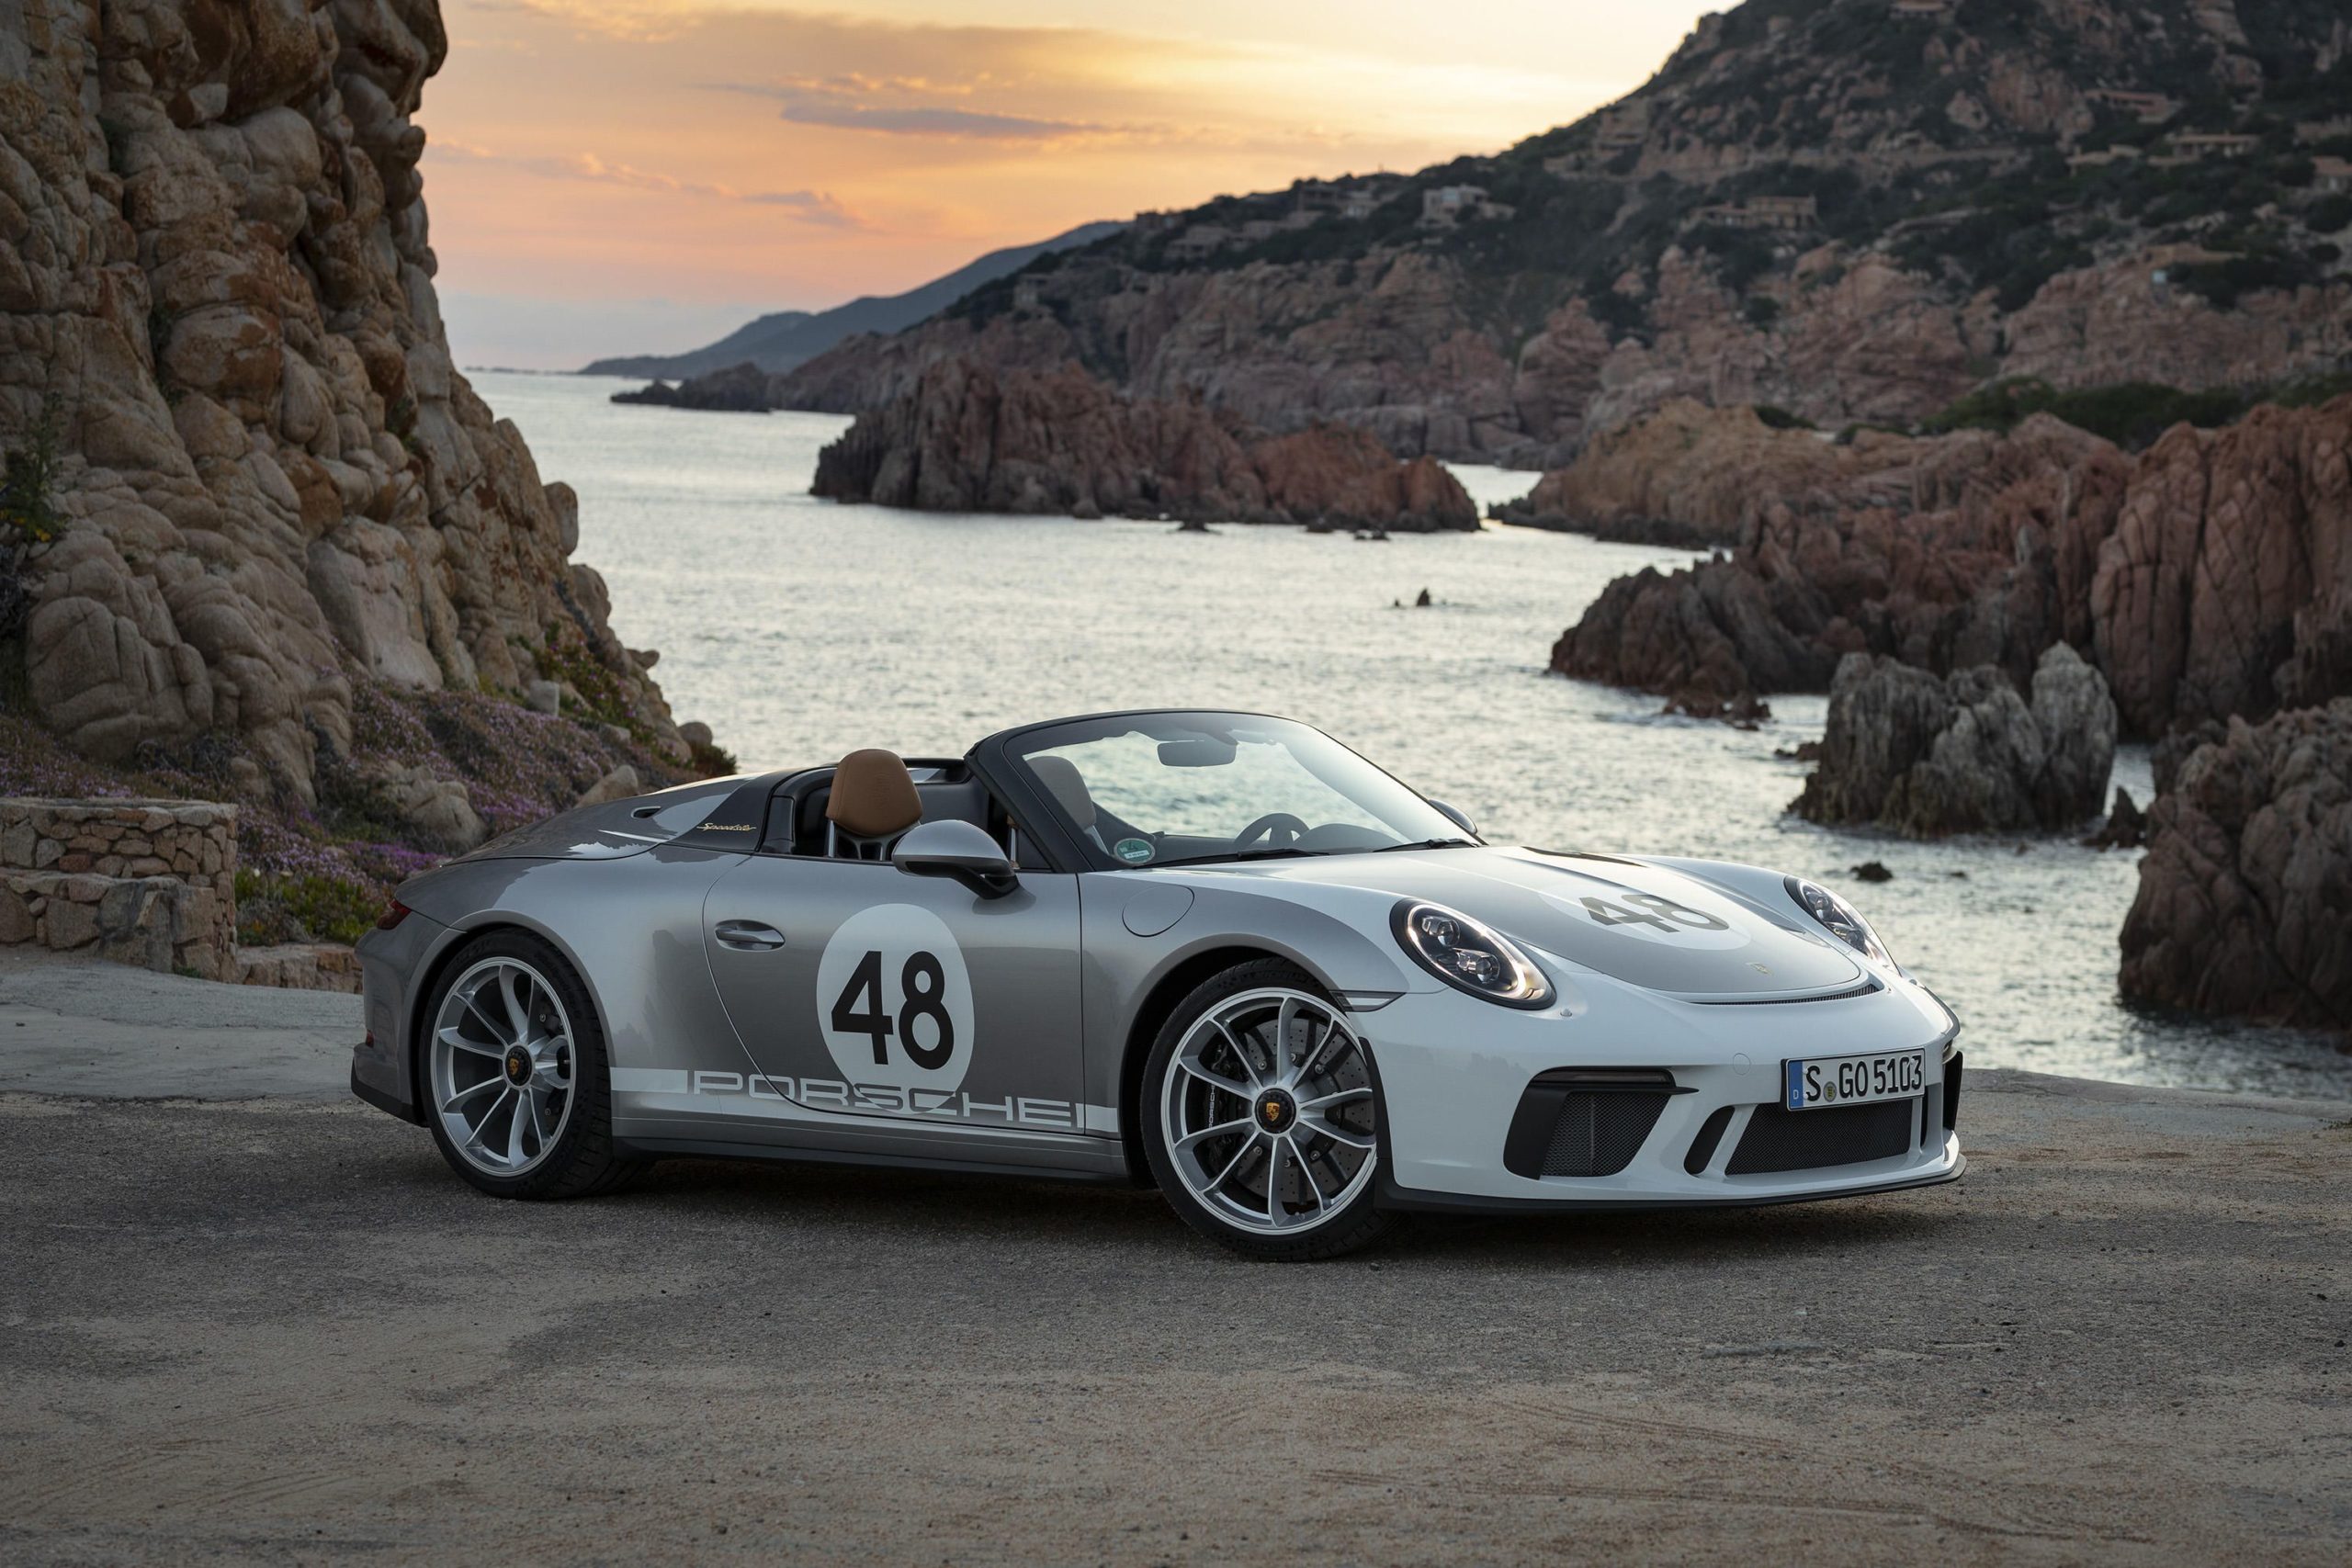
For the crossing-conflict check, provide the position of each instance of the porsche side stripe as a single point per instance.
(784, 1097)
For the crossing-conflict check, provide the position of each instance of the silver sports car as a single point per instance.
(1217, 953)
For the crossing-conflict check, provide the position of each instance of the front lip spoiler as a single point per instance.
(1409, 1200)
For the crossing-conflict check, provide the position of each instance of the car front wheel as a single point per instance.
(1261, 1115)
(514, 1074)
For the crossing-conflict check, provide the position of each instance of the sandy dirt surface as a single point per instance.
(254, 1320)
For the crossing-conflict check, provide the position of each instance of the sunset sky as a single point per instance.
(639, 175)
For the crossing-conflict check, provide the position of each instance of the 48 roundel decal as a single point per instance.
(894, 1000)
(1651, 918)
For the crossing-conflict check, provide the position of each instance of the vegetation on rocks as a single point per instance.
(29, 518)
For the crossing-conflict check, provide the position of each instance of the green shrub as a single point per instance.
(305, 907)
(1761, 311)
(29, 480)
(714, 761)
(2129, 413)
(29, 519)
(1779, 418)
(2223, 283)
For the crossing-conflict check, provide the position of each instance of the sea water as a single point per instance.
(798, 629)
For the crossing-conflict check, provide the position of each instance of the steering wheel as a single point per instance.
(1292, 829)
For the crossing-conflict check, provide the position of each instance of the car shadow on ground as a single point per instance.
(995, 1210)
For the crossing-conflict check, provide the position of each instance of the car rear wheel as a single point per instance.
(515, 1077)
(1262, 1116)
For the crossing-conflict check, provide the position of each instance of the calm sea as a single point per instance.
(798, 629)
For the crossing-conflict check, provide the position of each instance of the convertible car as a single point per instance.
(1217, 952)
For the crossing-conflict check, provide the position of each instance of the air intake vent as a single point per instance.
(1599, 1134)
(1815, 1140)
(1711, 1133)
(1584, 1122)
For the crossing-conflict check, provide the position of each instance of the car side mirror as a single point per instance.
(957, 850)
(1457, 818)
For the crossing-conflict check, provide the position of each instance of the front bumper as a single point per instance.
(1455, 1072)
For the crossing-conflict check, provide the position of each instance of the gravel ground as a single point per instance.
(274, 1327)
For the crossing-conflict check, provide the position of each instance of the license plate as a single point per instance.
(1816, 1083)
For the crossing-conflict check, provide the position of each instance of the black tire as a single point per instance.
(583, 1163)
(1355, 1224)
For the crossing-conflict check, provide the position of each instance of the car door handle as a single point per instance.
(750, 936)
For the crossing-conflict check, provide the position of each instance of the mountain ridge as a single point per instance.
(786, 339)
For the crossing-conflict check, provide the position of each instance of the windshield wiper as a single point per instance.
(1286, 852)
(1429, 844)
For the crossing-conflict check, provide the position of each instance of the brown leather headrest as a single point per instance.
(873, 795)
(1068, 786)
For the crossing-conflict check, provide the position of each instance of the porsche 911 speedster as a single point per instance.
(1217, 952)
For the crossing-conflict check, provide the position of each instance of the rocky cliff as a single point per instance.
(1694, 475)
(2245, 904)
(2209, 576)
(277, 508)
(965, 438)
(1926, 757)
(1852, 211)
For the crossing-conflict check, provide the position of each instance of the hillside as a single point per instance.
(1856, 211)
(789, 338)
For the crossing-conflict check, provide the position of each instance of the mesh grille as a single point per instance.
(1809, 1140)
(1599, 1134)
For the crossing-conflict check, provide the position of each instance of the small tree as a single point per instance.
(29, 519)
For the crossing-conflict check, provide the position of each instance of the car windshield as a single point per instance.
(1170, 789)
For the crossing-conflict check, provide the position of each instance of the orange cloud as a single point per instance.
(903, 106)
(809, 206)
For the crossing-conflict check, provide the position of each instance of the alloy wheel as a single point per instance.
(1268, 1110)
(502, 1064)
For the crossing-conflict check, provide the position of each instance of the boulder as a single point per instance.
(1926, 756)
(2244, 902)
(435, 811)
(621, 784)
(2126, 827)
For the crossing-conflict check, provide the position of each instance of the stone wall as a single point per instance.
(152, 883)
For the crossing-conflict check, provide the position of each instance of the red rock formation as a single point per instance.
(2226, 587)
(968, 439)
(2245, 904)
(2210, 576)
(1692, 474)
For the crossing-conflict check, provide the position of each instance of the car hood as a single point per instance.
(1642, 924)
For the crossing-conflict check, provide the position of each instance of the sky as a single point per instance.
(612, 177)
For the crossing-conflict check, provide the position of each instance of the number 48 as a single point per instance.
(1663, 913)
(922, 985)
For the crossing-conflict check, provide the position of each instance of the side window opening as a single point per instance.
(797, 825)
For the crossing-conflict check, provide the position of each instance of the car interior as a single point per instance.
(859, 808)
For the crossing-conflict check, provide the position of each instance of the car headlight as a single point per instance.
(1840, 918)
(1469, 956)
